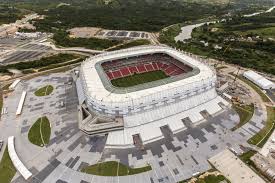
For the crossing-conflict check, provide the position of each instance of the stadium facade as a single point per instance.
(135, 114)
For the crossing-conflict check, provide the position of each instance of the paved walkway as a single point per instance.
(174, 158)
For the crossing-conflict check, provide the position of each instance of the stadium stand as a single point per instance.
(188, 93)
(145, 63)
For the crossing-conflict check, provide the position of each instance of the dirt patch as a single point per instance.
(4, 77)
(84, 32)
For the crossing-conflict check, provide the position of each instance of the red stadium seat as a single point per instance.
(141, 68)
(155, 65)
(164, 66)
(133, 69)
(110, 75)
(149, 67)
(159, 64)
(124, 71)
(117, 74)
(145, 63)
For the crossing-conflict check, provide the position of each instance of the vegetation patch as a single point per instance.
(220, 68)
(54, 66)
(262, 136)
(212, 179)
(46, 90)
(113, 168)
(7, 170)
(245, 113)
(245, 157)
(43, 62)
(137, 79)
(130, 44)
(40, 132)
(62, 38)
(9, 14)
(26, 30)
(167, 35)
(127, 15)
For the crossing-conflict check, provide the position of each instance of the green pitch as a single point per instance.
(137, 79)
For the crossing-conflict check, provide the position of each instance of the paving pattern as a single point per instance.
(175, 157)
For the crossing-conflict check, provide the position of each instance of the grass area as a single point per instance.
(212, 179)
(40, 129)
(245, 113)
(262, 136)
(7, 170)
(167, 36)
(138, 42)
(113, 168)
(43, 62)
(139, 79)
(255, 87)
(6, 87)
(61, 64)
(268, 32)
(220, 67)
(245, 157)
(46, 90)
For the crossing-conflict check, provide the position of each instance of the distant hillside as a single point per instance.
(9, 14)
(147, 15)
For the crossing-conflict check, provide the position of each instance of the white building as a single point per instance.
(145, 108)
(259, 80)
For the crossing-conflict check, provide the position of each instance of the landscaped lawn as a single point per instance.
(212, 179)
(40, 129)
(7, 170)
(113, 168)
(262, 136)
(137, 42)
(139, 79)
(46, 90)
(245, 157)
(245, 113)
(220, 67)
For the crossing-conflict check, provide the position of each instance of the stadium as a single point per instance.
(134, 94)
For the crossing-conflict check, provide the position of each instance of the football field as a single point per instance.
(137, 79)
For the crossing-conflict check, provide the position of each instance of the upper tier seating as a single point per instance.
(145, 63)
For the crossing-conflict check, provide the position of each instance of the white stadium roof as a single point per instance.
(259, 80)
(96, 89)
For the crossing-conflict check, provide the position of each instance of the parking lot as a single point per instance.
(25, 52)
(123, 34)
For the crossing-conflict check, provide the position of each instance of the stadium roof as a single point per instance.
(97, 91)
(259, 80)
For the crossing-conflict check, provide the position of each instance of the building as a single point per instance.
(184, 93)
(259, 80)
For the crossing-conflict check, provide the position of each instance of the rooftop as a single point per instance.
(99, 87)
